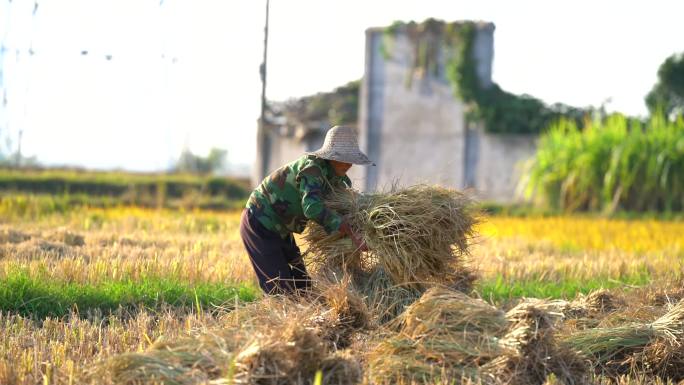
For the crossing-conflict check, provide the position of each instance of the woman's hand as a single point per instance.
(356, 238)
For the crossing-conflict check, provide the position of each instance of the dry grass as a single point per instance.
(131, 244)
(593, 234)
(59, 350)
(276, 341)
(563, 248)
(201, 346)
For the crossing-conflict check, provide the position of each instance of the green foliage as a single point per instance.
(195, 164)
(337, 107)
(121, 185)
(615, 164)
(668, 93)
(22, 206)
(38, 297)
(499, 110)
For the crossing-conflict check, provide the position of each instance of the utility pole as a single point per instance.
(21, 132)
(263, 140)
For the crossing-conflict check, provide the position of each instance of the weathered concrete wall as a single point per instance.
(499, 164)
(415, 129)
(422, 127)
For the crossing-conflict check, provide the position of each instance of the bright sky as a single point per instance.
(185, 72)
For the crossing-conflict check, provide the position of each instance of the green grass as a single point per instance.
(39, 298)
(500, 290)
(59, 181)
(34, 206)
(106, 189)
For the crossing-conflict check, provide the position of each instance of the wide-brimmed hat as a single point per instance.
(341, 145)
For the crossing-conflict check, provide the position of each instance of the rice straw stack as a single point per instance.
(344, 313)
(620, 349)
(533, 353)
(445, 334)
(416, 234)
(275, 341)
(385, 299)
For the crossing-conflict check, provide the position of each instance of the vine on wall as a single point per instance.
(499, 110)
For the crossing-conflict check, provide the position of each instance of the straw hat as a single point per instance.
(341, 145)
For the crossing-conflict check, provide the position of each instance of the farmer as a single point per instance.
(286, 200)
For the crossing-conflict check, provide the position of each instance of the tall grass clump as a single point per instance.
(610, 165)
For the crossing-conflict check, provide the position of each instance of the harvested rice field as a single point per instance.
(446, 296)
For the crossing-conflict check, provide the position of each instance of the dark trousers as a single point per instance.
(277, 262)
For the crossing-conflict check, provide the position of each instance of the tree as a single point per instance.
(195, 164)
(668, 93)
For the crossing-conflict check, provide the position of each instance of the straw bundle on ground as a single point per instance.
(402, 360)
(385, 299)
(448, 314)
(341, 368)
(66, 236)
(621, 349)
(287, 356)
(292, 350)
(277, 340)
(597, 301)
(8, 235)
(191, 360)
(661, 358)
(344, 312)
(533, 353)
(444, 335)
(416, 234)
(668, 295)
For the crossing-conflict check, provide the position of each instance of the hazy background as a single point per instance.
(129, 83)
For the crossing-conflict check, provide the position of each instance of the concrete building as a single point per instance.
(414, 128)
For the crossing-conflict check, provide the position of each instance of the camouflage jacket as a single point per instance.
(293, 194)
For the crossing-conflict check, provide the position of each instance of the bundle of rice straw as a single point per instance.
(670, 294)
(416, 234)
(345, 312)
(274, 341)
(401, 360)
(644, 346)
(533, 354)
(66, 236)
(289, 356)
(446, 313)
(341, 368)
(8, 235)
(385, 299)
(191, 360)
(292, 349)
(445, 334)
(661, 358)
(597, 302)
